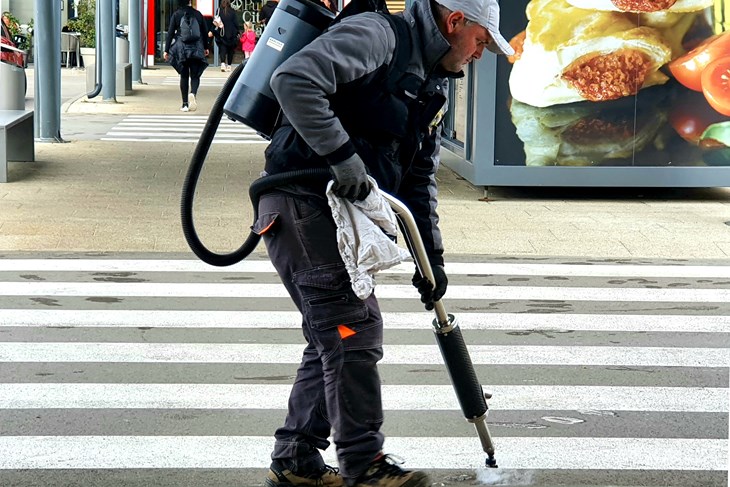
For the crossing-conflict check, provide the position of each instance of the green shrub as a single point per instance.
(85, 23)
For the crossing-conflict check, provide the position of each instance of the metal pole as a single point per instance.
(135, 39)
(108, 50)
(47, 72)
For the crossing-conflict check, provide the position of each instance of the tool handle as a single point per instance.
(420, 257)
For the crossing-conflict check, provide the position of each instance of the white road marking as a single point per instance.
(112, 452)
(409, 397)
(453, 268)
(391, 320)
(262, 353)
(237, 290)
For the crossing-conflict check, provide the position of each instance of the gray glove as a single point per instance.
(351, 179)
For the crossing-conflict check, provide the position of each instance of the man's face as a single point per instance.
(467, 39)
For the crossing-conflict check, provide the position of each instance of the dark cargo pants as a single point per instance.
(337, 387)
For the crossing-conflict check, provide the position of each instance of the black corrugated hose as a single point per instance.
(257, 187)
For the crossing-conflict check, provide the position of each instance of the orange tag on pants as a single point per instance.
(345, 332)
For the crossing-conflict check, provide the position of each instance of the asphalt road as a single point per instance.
(155, 370)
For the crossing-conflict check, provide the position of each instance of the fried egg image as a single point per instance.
(569, 55)
(637, 6)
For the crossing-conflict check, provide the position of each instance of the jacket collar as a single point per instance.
(432, 42)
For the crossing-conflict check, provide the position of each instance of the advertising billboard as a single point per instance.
(614, 83)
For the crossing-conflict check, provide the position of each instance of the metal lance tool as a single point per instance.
(469, 391)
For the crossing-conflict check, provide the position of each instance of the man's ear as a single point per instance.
(453, 21)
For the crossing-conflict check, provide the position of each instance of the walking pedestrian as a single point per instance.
(226, 34)
(186, 47)
(248, 40)
(267, 10)
(343, 112)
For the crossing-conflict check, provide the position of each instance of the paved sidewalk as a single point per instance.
(92, 195)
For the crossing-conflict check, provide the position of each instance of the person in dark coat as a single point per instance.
(188, 59)
(226, 34)
(267, 10)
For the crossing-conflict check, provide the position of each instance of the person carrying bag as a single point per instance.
(186, 48)
(226, 34)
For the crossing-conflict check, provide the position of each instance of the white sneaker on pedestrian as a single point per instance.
(223, 67)
(192, 102)
(228, 68)
(184, 108)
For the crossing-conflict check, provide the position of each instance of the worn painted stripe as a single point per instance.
(186, 128)
(176, 118)
(394, 354)
(191, 139)
(110, 452)
(395, 397)
(155, 124)
(219, 290)
(391, 320)
(192, 132)
(453, 268)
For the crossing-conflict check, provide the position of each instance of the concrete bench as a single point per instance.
(16, 139)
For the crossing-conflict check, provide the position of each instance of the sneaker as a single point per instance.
(192, 102)
(223, 67)
(385, 472)
(185, 108)
(228, 68)
(280, 476)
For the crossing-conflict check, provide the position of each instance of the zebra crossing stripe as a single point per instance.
(226, 290)
(181, 140)
(454, 268)
(174, 80)
(284, 353)
(229, 137)
(395, 397)
(391, 320)
(127, 452)
(184, 129)
(167, 118)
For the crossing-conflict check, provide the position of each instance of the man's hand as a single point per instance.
(165, 56)
(351, 179)
(429, 293)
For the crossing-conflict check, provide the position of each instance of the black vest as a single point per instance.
(386, 114)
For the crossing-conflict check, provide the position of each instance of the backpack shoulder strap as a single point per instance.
(396, 79)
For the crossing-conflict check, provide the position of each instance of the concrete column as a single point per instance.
(135, 39)
(107, 35)
(47, 62)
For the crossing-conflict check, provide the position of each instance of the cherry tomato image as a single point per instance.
(716, 85)
(688, 69)
(690, 115)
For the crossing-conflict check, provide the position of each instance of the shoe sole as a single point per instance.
(418, 479)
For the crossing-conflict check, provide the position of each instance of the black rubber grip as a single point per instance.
(458, 363)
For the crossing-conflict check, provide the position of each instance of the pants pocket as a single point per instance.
(328, 297)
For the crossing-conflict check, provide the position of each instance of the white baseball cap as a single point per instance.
(486, 14)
